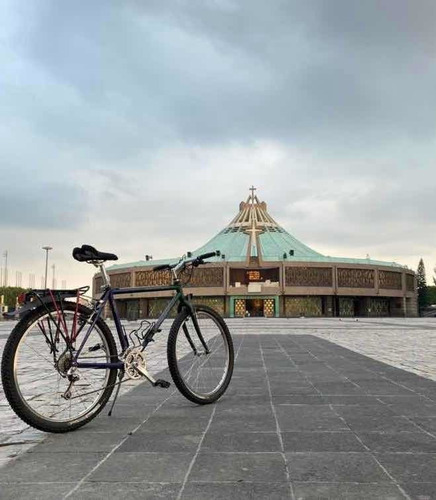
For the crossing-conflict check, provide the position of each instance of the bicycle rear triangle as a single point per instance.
(61, 364)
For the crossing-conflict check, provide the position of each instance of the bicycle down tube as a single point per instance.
(108, 297)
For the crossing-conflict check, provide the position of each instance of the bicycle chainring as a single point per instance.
(132, 356)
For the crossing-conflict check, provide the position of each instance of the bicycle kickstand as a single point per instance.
(120, 379)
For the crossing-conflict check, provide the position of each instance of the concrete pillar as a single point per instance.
(282, 277)
(143, 308)
(232, 307)
(277, 306)
(329, 307)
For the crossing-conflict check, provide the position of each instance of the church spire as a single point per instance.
(253, 215)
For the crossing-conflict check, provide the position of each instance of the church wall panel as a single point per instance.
(356, 278)
(390, 280)
(410, 282)
(121, 280)
(308, 276)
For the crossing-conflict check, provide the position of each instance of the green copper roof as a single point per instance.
(233, 245)
(254, 233)
(275, 243)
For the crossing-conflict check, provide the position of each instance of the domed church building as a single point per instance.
(264, 271)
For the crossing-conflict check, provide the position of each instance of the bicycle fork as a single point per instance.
(200, 336)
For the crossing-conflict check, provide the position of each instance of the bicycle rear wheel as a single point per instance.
(35, 376)
(202, 377)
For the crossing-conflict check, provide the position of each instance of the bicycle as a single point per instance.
(60, 363)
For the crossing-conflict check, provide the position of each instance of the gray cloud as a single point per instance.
(143, 123)
(49, 206)
(216, 71)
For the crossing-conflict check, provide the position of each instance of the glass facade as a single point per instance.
(303, 306)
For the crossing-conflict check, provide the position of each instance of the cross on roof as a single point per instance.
(252, 189)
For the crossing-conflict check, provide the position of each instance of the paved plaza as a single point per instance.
(317, 408)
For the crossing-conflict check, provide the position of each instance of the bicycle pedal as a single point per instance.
(162, 383)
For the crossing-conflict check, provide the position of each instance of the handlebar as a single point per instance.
(209, 255)
(194, 261)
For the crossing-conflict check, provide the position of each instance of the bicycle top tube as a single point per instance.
(139, 289)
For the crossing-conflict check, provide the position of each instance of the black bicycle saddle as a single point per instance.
(87, 253)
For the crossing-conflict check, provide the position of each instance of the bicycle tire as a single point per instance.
(176, 358)
(14, 393)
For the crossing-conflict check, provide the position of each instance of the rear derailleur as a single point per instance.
(72, 378)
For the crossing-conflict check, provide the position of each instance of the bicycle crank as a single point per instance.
(135, 367)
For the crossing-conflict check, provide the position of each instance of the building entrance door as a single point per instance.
(254, 307)
(265, 306)
(357, 308)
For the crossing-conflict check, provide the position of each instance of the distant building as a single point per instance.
(264, 271)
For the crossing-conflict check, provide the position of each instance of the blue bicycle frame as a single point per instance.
(109, 297)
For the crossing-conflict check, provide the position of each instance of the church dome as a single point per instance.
(254, 236)
(253, 233)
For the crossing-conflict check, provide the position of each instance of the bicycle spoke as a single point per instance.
(39, 354)
(41, 384)
(202, 373)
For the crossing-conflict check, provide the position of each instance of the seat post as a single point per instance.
(106, 280)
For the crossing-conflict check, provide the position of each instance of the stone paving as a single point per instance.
(303, 418)
(408, 343)
(17, 437)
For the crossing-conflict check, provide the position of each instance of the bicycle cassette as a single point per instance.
(134, 356)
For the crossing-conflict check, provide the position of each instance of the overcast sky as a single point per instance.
(138, 126)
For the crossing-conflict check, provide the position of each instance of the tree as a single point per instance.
(421, 286)
(431, 295)
(10, 294)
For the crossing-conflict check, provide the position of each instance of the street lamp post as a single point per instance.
(54, 278)
(46, 264)
(5, 277)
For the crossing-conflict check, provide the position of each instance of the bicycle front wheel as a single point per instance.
(201, 368)
(36, 362)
